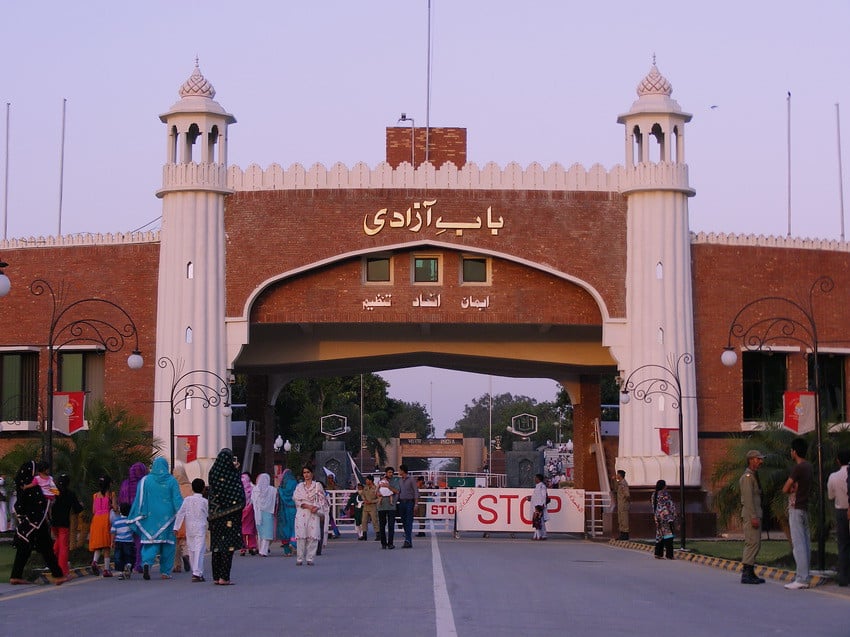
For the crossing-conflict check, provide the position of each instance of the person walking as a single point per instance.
(126, 495)
(181, 551)
(263, 501)
(836, 488)
(370, 509)
(157, 501)
(408, 494)
(540, 498)
(309, 499)
(664, 512)
(387, 490)
(751, 516)
(4, 506)
(249, 523)
(32, 527)
(100, 539)
(226, 503)
(65, 504)
(798, 486)
(192, 516)
(624, 499)
(286, 512)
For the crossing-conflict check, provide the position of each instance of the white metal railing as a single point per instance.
(596, 503)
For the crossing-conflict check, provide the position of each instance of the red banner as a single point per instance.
(669, 440)
(68, 410)
(799, 411)
(186, 449)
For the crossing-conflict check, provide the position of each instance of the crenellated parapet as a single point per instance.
(194, 176)
(657, 177)
(765, 241)
(470, 177)
(82, 239)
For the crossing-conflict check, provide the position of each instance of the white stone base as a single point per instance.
(647, 470)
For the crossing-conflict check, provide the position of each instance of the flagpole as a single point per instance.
(62, 166)
(789, 162)
(6, 180)
(428, 90)
(840, 171)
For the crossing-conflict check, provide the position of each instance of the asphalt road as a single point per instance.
(470, 587)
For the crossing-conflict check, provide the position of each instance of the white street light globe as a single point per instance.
(5, 284)
(287, 446)
(135, 360)
(624, 398)
(278, 443)
(728, 357)
(227, 411)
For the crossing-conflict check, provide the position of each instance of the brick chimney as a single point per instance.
(445, 144)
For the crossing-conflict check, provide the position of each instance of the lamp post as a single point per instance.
(405, 118)
(5, 283)
(665, 382)
(82, 321)
(773, 320)
(198, 384)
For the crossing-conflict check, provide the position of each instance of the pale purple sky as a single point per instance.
(318, 82)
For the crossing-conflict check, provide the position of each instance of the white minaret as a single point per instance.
(659, 329)
(190, 329)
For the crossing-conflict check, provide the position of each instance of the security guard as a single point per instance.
(751, 516)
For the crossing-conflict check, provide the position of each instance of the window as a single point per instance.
(764, 383)
(82, 371)
(832, 402)
(19, 386)
(377, 270)
(426, 269)
(475, 270)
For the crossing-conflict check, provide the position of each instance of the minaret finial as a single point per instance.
(196, 60)
(653, 59)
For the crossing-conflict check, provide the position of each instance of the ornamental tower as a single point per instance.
(659, 299)
(190, 330)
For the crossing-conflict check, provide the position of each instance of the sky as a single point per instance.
(540, 81)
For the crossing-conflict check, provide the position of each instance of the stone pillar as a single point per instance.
(522, 462)
(586, 411)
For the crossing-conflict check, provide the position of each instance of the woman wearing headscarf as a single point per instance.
(181, 552)
(249, 524)
(32, 526)
(310, 501)
(263, 499)
(226, 502)
(664, 512)
(286, 512)
(157, 501)
(126, 495)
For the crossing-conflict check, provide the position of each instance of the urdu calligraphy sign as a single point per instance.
(420, 215)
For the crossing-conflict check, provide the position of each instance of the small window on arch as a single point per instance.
(190, 270)
(377, 269)
(426, 269)
(475, 270)
(188, 334)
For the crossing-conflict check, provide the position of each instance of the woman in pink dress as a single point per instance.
(249, 525)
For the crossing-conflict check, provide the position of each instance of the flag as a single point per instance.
(799, 411)
(186, 450)
(68, 410)
(355, 472)
(669, 440)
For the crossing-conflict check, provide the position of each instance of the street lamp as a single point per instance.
(776, 320)
(405, 118)
(198, 384)
(81, 321)
(666, 382)
(5, 283)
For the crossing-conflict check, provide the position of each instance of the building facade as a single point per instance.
(539, 271)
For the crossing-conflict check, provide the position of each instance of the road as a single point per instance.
(470, 587)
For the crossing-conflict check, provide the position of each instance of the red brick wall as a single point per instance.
(444, 145)
(124, 274)
(579, 233)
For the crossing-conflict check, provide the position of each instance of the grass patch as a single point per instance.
(78, 557)
(775, 553)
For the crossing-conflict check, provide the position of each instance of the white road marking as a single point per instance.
(442, 605)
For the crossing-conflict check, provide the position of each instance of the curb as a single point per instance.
(779, 574)
(73, 573)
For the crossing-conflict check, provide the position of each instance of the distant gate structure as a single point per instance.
(470, 451)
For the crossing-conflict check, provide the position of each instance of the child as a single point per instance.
(125, 548)
(195, 510)
(66, 502)
(99, 537)
(44, 481)
(537, 522)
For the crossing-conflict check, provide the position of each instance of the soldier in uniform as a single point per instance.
(623, 500)
(370, 508)
(751, 516)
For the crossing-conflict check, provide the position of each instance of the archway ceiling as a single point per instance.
(521, 351)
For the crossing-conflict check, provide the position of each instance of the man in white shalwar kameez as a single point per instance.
(195, 510)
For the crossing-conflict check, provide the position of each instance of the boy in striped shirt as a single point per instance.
(125, 550)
